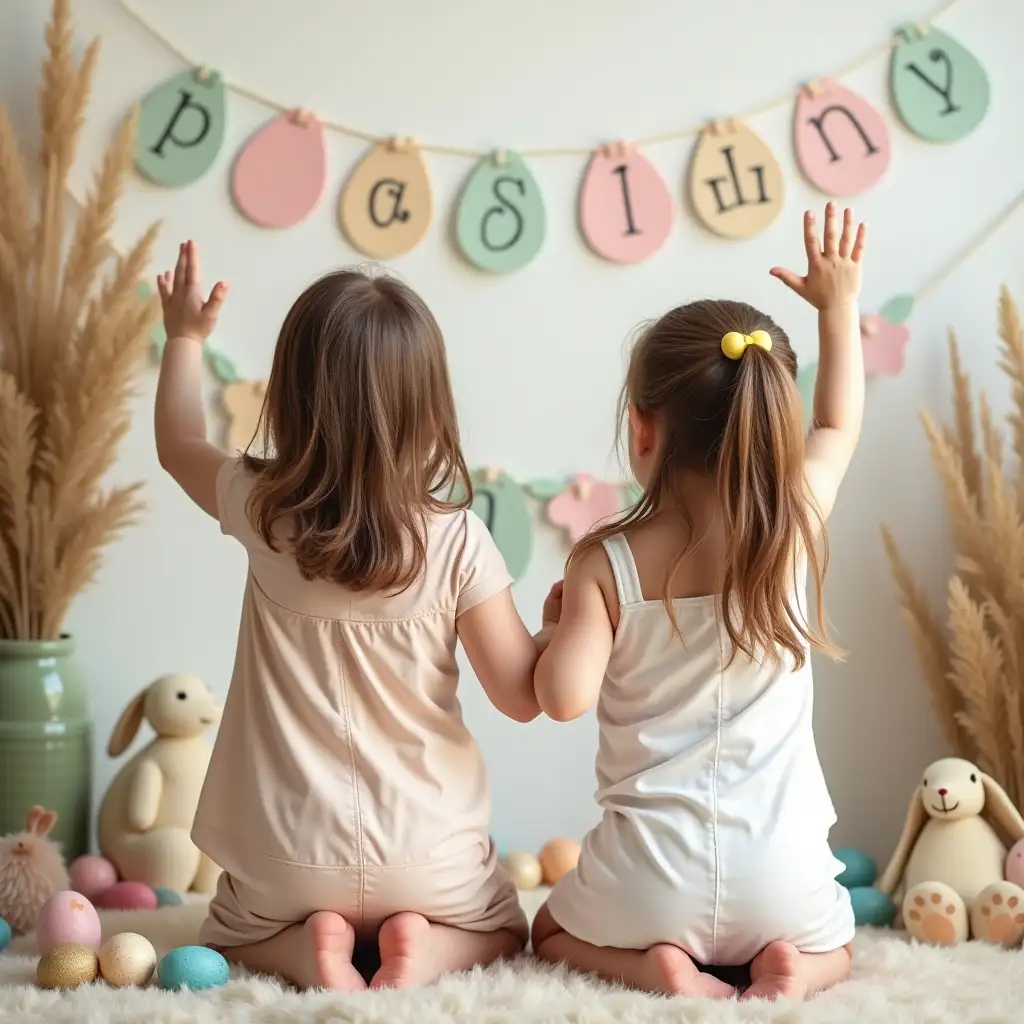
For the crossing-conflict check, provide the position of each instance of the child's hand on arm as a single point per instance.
(831, 285)
(550, 614)
(180, 422)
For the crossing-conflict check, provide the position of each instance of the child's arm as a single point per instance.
(832, 285)
(181, 443)
(571, 669)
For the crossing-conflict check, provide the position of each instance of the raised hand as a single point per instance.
(186, 313)
(833, 263)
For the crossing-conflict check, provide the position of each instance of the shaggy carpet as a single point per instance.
(894, 981)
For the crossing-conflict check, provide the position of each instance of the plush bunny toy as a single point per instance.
(146, 816)
(950, 860)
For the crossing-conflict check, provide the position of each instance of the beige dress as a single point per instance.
(343, 777)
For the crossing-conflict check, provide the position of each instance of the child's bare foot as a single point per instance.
(776, 973)
(674, 973)
(332, 939)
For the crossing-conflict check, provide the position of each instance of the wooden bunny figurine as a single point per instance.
(950, 860)
(146, 816)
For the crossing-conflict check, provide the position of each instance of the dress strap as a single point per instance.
(627, 580)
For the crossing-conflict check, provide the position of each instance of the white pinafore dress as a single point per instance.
(716, 817)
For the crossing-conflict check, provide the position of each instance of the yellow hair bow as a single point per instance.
(735, 344)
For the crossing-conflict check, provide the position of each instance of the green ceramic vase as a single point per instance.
(45, 739)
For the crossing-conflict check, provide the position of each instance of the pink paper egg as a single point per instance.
(127, 896)
(1015, 864)
(67, 916)
(91, 874)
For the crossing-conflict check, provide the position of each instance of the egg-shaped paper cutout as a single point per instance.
(386, 205)
(279, 177)
(500, 221)
(939, 88)
(501, 503)
(842, 142)
(181, 128)
(625, 207)
(735, 182)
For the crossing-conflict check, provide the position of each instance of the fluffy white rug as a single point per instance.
(895, 982)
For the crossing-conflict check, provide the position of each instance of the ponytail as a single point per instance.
(770, 521)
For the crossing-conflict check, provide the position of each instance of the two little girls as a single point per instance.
(346, 799)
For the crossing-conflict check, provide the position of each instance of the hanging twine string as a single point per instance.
(782, 100)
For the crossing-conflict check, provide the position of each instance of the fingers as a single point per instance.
(811, 238)
(181, 267)
(211, 307)
(831, 246)
(846, 240)
(163, 286)
(859, 243)
(193, 274)
(790, 279)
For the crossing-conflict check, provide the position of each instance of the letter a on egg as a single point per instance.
(386, 204)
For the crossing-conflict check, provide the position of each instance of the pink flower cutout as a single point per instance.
(884, 345)
(584, 503)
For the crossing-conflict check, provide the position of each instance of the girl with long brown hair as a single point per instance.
(686, 621)
(345, 798)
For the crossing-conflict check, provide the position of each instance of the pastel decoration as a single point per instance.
(584, 504)
(633, 494)
(91, 874)
(545, 489)
(181, 128)
(524, 869)
(243, 403)
(939, 88)
(871, 907)
(805, 381)
(67, 916)
(557, 858)
(625, 206)
(1014, 865)
(500, 222)
(897, 310)
(842, 142)
(735, 182)
(158, 335)
(6, 934)
(193, 967)
(386, 205)
(858, 868)
(279, 177)
(167, 897)
(221, 366)
(500, 502)
(127, 959)
(884, 345)
(127, 896)
(67, 965)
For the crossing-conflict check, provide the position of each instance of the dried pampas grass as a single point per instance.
(973, 664)
(72, 331)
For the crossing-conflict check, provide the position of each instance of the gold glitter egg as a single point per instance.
(67, 966)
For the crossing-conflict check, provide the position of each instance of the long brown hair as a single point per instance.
(359, 434)
(741, 420)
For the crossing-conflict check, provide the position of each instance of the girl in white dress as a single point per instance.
(686, 622)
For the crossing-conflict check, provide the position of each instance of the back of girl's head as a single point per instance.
(740, 420)
(359, 433)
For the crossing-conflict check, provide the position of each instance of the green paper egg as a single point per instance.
(939, 88)
(859, 870)
(872, 907)
(501, 503)
(806, 378)
(181, 128)
(500, 221)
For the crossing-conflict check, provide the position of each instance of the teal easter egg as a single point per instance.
(167, 897)
(860, 868)
(872, 906)
(5, 934)
(193, 967)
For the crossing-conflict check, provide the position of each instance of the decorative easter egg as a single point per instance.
(557, 858)
(167, 897)
(91, 874)
(127, 959)
(194, 967)
(1014, 865)
(67, 917)
(872, 907)
(939, 88)
(181, 128)
(841, 141)
(67, 965)
(625, 206)
(278, 179)
(500, 502)
(736, 186)
(859, 868)
(5, 934)
(524, 870)
(127, 896)
(386, 204)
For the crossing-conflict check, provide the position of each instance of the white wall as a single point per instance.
(537, 356)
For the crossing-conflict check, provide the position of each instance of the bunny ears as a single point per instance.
(40, 821)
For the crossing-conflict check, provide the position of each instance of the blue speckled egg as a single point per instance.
(860, 868)
(194, 967)
(872, 906)
(5, 934)
(167, 897)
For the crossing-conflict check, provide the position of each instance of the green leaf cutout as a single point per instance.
(222, 367)
(805, 381)
(897, 310)
(545, 489)
(632, 494)
(158, 336)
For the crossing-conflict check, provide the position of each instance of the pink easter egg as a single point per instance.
(67, 916)
(127, 896)
(279, 176)
(1015, 864)
(884, 345)
(625, 205)
(91, 874)
(841, 141)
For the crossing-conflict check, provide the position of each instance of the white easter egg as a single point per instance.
(127, 959)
